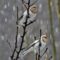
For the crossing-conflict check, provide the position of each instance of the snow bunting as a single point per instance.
(35, 45)
(32, 14)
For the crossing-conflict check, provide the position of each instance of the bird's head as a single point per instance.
(34, 9)
(44, 38)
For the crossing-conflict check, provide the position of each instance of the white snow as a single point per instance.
(40, 7)
(2, 37)
(5, 6)
(14, 8)
(2, 12)
(5, 19)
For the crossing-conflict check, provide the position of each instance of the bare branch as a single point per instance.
(20, 17)
(44, 52)
(9, 44)
(12, 56)
(31, 22)
(25, 4)
(34, 2)
(39, 45)
(24, 30)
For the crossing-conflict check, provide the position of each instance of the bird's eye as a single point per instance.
(34, 7)
(45, 37)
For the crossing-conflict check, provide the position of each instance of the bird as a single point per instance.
(32, 14)
(33, 47)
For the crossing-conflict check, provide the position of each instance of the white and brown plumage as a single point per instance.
(34, 46)
(32, 14)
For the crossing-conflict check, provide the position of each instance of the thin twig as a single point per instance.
(44, 52)
(12, 56)
(36, 53)
(9, 44)
(34, 2)
(20, 17)
(31, 22)
(23, 35)
(24, 31)
(26, 4)
(39, 45)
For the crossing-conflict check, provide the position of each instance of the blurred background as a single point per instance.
(8, 18)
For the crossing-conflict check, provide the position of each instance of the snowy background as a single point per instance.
(8, 25)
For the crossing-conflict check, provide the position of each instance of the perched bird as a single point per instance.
(35, 45)
(32, 14)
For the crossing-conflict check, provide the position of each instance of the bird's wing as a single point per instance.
(28, 49)
(31, 45)
(34, 42)
(24, 53)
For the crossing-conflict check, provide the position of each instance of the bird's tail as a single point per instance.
(25, 52)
